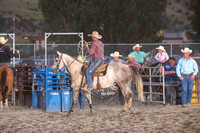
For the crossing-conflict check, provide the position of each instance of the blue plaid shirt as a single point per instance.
(174, 77)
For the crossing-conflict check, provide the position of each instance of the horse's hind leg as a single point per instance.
(126, 92)
(89, 98)
(6, 96)
(1, 101)
(130, 103)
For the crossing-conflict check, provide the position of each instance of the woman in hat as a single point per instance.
(162, 55)
(96, 52)
(116, 59)
(186, 70)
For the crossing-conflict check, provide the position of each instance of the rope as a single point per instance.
(151, 57)
(80, 49)
(18, 55)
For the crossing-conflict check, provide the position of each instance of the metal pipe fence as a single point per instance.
(35, 53)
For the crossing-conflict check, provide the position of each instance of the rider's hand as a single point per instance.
(181, 78)
(192, 77)
(17, 51)
(172, 72)
(86, 45)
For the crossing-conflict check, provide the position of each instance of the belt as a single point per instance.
(187, 74)
(96, 58)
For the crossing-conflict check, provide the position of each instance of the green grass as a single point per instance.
(26, 11)
(180, 16)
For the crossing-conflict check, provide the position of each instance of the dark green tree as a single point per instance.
(118, 21)
(195, 5)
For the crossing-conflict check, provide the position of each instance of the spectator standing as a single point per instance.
(172, 79)
(186, 70)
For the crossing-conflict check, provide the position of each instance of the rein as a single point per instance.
(64, 63)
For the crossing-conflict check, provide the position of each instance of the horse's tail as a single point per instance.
(139, 82)
(3, 78)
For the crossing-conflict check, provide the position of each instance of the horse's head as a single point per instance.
(58, 64)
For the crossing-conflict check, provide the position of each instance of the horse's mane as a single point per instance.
(72, 57)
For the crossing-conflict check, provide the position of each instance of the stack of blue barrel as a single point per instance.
(51, 91)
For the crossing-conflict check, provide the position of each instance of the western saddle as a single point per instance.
(100, 71)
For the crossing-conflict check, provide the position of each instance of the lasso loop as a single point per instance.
(81, 49)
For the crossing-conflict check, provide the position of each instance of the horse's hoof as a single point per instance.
(123, 112)
(67, 115)
(91, 113)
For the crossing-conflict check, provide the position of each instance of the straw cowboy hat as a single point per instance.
(115, 54)
(137, 45)
(161, 48)
(95, 34)
(131, 56)
(3, 40)
(186, 50)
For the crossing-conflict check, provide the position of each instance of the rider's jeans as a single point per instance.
(187, 86)
(81, 99)
(93, 66)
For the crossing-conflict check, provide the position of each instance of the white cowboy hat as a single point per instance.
(95, 34)
(137, 45)
(3, 40)
(186, 50)
(131, 56)
(115, 54)
(161, 48)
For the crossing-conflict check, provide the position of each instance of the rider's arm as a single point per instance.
(92, 49)
(178, 68)
(166, 57)
(146, 54)
(157, 58)
(10, 52)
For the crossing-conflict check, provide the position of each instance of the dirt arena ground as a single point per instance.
(106, 118)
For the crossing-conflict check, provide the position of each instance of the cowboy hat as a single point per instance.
(186, 50)
(137, 45)
(115, 54)
(3, 40)
(161, 48)
(95, 34)
(131, 56)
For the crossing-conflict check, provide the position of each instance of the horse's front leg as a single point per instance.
(75, 98)
(89, 98)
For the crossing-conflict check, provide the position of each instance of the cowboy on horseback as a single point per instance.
(96, 52)
(5, 54)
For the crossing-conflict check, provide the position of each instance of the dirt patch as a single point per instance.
(105, 118)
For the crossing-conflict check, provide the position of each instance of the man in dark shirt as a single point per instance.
(5, 54)
(171, 79)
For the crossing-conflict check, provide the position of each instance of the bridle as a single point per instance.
(65, 64)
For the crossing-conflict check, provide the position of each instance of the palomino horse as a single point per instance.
(6, 83)
(117, 73)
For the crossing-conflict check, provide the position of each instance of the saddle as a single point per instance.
(100, 71)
